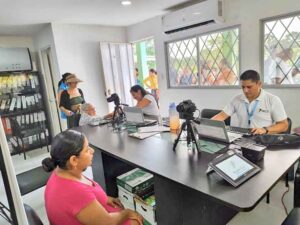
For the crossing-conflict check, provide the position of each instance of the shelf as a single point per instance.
(36, 110)
(18, 72)
(22, 112)
(17, 150)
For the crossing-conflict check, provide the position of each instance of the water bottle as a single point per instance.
(174, 117)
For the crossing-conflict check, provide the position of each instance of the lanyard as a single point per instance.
(250, 114)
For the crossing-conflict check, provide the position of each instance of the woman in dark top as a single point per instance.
(71, 100)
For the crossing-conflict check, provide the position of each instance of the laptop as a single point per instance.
(99, 121)
(216, 130)
(135, 117)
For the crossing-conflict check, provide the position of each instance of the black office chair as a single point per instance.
(290, 174)
(32, 217)
(294, 216)
(209, 113)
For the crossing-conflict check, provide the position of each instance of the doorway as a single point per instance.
(51, 90)
(145, 61)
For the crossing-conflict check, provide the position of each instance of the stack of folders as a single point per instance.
(15, 83)
(33, 122)
(17, 103)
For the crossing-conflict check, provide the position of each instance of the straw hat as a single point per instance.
(72, 78)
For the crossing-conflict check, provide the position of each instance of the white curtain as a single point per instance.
(118, 69)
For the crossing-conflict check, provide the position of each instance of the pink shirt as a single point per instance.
(65, 198)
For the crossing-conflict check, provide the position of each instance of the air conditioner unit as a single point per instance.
(15, 59)
(203, 13)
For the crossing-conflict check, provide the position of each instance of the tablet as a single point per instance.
(234, 168)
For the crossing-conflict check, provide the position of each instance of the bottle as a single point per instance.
(174, 117)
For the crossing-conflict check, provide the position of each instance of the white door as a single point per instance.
(51, 90)
(118, 69)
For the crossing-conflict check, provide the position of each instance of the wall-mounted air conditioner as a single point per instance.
(15, 59)
(203, 13)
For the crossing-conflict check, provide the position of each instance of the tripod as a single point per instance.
(118, 110)
(190, 134)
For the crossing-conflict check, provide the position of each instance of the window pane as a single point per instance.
(282, 51)
(182, 59)
(219, 58)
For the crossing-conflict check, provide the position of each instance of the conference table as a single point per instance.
(184, 193)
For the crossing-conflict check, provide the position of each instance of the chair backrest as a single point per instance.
(32, 217)
(290, 125)
(209, 113)
(289, 130)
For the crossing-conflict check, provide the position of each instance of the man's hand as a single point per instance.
(114, 202)
(256, 131)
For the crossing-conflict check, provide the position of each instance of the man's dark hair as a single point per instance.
(250, 75)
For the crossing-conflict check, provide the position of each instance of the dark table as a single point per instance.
(184, 193)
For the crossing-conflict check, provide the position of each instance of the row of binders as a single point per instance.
(20, 102)
(24, 121)
(26, 142)
(17, 83)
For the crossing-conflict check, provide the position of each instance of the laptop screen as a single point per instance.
(134, 114)
(211, 131)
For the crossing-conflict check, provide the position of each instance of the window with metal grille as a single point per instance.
(281, 53)
(206, 60)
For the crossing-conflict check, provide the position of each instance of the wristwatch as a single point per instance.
(267, 131)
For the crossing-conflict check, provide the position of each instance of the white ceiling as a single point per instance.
(102, 12)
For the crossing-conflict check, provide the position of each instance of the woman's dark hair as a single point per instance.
(63, 146)
(63, 78)
(153, 71)
(137, 88)
(250, 75)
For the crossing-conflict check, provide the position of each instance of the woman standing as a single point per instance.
(145, 101)
(62, 86)
(73, 199)
(71, 100)
(151, 82)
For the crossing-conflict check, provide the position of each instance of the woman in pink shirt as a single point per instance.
(73, 199)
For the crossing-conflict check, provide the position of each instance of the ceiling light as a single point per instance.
(126, 2)
(196, 13)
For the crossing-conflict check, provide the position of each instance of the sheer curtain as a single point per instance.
(117, 61)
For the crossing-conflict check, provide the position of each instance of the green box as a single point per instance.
(135, 181)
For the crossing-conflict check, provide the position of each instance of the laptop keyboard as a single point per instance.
(239, 130)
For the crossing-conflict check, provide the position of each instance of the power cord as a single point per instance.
(285, 209)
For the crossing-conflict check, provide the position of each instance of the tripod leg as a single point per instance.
(190, 129)
(177, 139)
(114, 116)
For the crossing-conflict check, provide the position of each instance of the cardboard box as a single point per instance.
(147, 209)
(135, 181)
(126, 198)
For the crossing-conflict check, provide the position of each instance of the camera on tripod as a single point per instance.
(114, 98)
(186, 110)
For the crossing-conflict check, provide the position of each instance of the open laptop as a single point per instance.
(216, 130)
(135, 117)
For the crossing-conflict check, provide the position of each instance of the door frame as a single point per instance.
(46, 56)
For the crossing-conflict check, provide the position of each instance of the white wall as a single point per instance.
(238, 12)
(19, 41)
(42, 40)
(78, 51)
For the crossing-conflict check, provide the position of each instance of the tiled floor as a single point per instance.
(263, 214)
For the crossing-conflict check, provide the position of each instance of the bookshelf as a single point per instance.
(23, 112)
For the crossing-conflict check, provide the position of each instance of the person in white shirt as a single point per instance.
(88, 115)
(283, 73)
(145, 101)
(256, 108)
